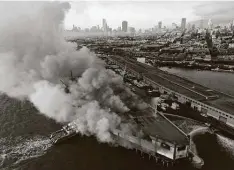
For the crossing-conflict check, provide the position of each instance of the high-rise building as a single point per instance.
(104, 25)
(132, 31)
(231, 25)
(193, 27)
(124, 26)
(93, 29)
(159, 24)
(183, 23)
(210, 24)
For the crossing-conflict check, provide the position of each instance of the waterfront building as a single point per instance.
(206, 101)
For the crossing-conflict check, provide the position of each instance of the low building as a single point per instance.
(157, 136)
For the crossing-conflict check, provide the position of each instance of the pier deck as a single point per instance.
(158, 127)
(180, 85)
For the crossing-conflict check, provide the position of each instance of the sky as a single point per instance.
(139, 14)
(144, 14)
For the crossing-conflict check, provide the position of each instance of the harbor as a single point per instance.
(116, 85)
(207, 101)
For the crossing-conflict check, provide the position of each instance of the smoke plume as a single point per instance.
(34, 57)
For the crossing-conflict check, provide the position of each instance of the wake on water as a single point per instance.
(197, 130)
(13, 153)
(22, 149)
(227, 144)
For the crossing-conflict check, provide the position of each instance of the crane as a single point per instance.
(66, 89)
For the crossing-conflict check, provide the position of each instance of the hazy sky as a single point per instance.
(138, 14)
(141, 14)
(144, 14)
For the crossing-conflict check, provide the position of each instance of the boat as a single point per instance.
(65, 133)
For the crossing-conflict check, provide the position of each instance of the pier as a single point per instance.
(214, 104)
(157, 137)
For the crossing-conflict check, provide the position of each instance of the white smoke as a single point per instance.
(33, 58)
(53, 101)
(91, 119)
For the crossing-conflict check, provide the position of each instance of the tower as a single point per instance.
(210, 24)
(104, 25)
(183, 23)
(159, 24)
(124, 26)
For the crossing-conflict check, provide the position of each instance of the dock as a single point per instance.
(158, 137)
(214, 104)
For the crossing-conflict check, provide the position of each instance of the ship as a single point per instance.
(68, 131)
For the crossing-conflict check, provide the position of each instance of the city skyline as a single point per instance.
(144, 14)
(139, 15)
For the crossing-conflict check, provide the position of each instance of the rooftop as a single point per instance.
(223, 103)
(159, 127)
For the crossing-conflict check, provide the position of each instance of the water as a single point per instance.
(220, 81)
(24, 145)
(217, 151)
(211, 148)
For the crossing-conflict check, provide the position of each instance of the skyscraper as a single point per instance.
(231, 25)
(193, 27)
(210, 24)
(124, 26)
(183, 23)
(104, 25)
(132, 30)
(159, 24)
